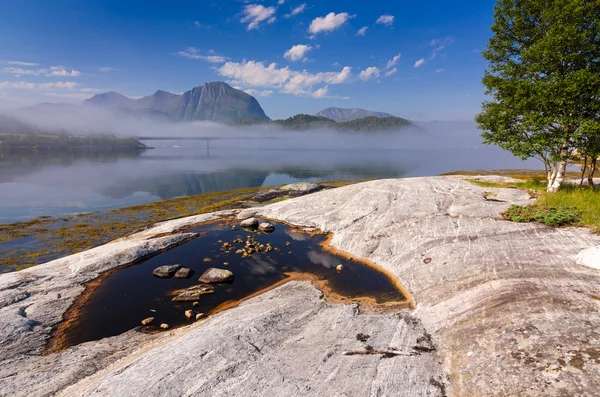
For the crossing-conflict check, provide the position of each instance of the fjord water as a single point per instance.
(46, 184)
(132, 294)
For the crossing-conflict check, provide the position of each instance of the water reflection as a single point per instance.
(59, 184)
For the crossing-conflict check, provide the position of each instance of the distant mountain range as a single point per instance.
(113, 113)
(216, 101)
(340, 115)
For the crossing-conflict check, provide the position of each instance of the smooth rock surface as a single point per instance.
(506, 306)
(266, 227)
(589, 257)
(192, 294)
(214, 275)
(301, 187)
(250, 222)
(166, 271)
(184, 272)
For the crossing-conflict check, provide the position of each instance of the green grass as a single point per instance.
(571, 205)
(25, 244)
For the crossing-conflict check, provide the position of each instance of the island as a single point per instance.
(66, 143)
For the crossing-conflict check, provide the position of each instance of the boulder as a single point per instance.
(184, 272)
(247, 213)
(266, 227)
(214, 275)
(166, 271)
(301, 188)
(250, 222)
(193, 294)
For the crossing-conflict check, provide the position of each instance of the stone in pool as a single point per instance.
(250, 222)
(166, 271)
(193, 294)
(184, 272)
(214, 275)
(266, 227)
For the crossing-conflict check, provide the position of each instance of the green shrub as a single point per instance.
(561, 216)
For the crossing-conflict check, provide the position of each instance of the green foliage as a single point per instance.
(550, 216)
(543, 77)
(68, 143)
(305, 122)
(372, 123)
(302, 122)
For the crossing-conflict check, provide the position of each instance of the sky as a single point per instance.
(415, 59)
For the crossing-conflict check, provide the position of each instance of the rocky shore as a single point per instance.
(501, 308)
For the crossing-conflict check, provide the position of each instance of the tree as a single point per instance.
(588, 147)
(544, 80)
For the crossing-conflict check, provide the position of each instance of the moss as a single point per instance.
(57, 237)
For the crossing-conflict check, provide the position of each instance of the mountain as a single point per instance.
(10, 125)
(341, 115)
(216, 101)
(303, 122)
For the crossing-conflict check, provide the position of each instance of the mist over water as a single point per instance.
(201, 157)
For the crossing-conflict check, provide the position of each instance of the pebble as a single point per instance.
(189, 313)
(147, 321)
(339, 268)
(164, 326)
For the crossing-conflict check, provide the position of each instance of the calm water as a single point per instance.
(57, 185)
(130, 295)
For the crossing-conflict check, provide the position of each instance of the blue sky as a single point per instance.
(415, 59)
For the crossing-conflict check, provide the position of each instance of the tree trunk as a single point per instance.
(591, 173)
(583, 170)
(559, 175)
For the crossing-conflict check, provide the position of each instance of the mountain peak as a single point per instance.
(214, 101)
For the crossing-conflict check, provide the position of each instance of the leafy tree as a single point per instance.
(544, 80)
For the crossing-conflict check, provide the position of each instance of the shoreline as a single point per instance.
(478, 283)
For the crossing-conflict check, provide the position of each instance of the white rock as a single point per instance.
(589, 257)
(250, 222)
(301, 187)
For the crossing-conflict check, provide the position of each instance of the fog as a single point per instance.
(208, 157)
(91, 120)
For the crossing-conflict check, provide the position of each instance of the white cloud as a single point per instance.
(393, 61)
(19, 63)
(257, 74)
(321, 92)
(201, 25)
(329, 22)
(69, 95)
(257, 13)
(297, 10)
(54, 71)
(440, 70)
(280, 2)
(362, 31)
(23, 85)
(194, 53)
(439, 45)
(106, 69)
(266, 93)
(297, 52)
(419, 62)
(386, 19)
(19, 71)
(369, 72)
(62, 72)
(391, 72)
